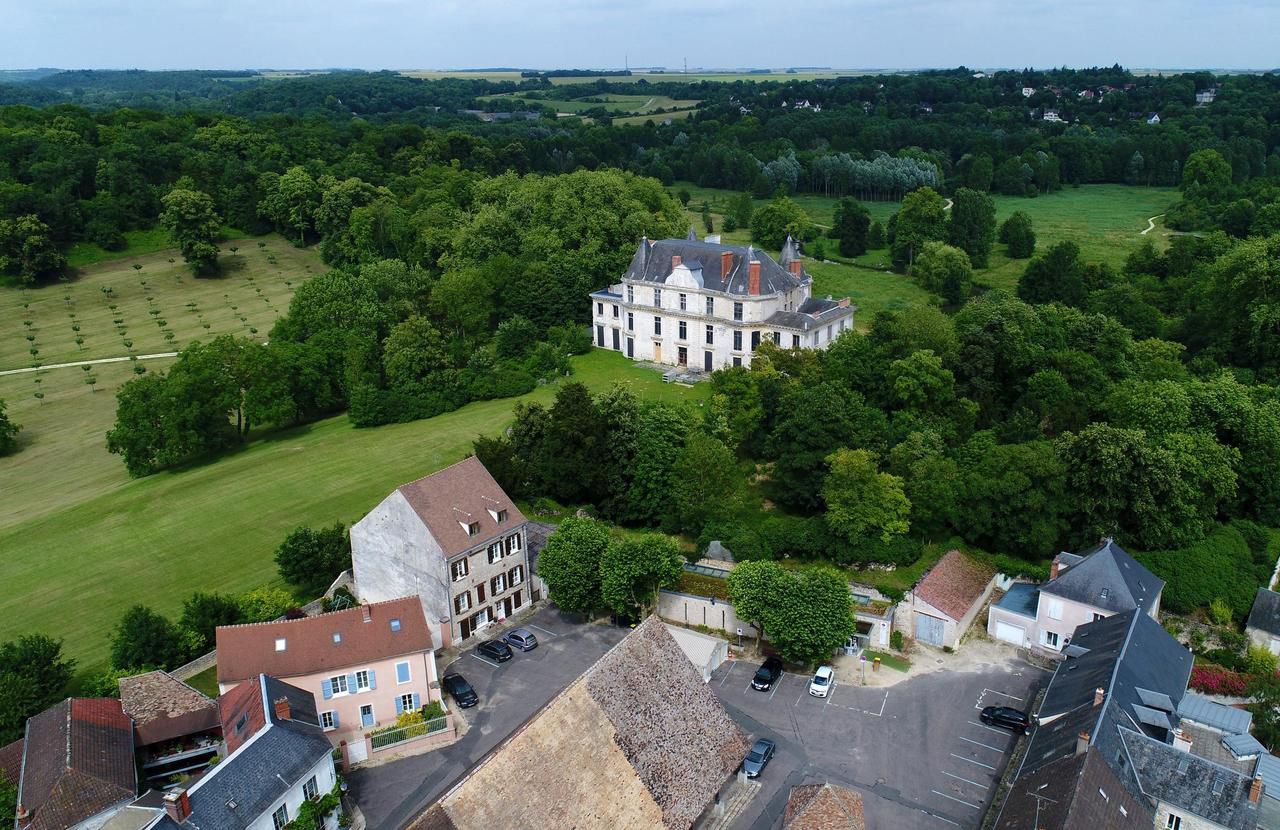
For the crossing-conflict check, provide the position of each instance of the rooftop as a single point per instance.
(637, 741)
(337, 640)
(1105, 577)
(722, 268)
(163, 707)
(1022, 598)
(449, 500)
(823, 807)
(954, 584)
(1195, 784)
(1265, 614)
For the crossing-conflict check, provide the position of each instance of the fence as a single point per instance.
(390, 737)
(196, 666)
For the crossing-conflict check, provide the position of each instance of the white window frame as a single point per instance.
(518, 579)
(711, 306)
(488, 616)
(498, 584)
(495, 552)
(335, 681)
(362, 675)
(682, 330)
(657, 325)
(515, 544)
(460, 569)
(684, 301)
(631, 321)
(326, 721)
(737, 312)
(406, 702)
(408, 673)
(281, 644)
(1053, 608)
(1173, 822)
(1050, 639)
(462, 603)
(657, 298)
(280, 817)
(310, 789)
(631, 293)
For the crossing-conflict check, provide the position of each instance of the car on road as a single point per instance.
(521, 638)
(823, 679)
(494, 650)
(768, 673)
(460, 690)
(1006, 717)
(758, 758)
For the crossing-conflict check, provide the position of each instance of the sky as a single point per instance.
(453, 34)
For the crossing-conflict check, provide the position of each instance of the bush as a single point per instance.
(145, 638)
(1213, 568)
(1259, 661)
(441, 392)
(901, 550)
(896, 640)
(501, 382)
(312, 559)
(1215, 680)
(264, 604)
(570, 338)
(1226, 658)
(1220, 612)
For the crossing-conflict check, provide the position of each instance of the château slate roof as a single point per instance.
(1106, 577)
(1265, 614)
(1185, 780)
(812, 313)
(652, 263)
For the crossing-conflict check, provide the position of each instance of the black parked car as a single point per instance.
(1007, 717)
(768, 673)
(758, 758)
(494, 650)
(460, 690)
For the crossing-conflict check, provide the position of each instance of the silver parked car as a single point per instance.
(521, 638)
(758, 758)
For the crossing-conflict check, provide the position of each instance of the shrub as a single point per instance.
(1226, 658)
(264, 604)
(1220, 612)
(1215, 680)
(500, 383)
(312, 559)
(1259, 661)
(896, 640)
(1213, 568)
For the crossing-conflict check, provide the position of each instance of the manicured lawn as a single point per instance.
(871, 291)
(206, 681)
(894, 662)
(73, 569)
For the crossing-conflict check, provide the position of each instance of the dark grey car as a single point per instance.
(521, 638)
(758, 758)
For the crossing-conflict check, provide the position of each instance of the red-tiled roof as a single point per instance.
(337, 640)
(77, 762)
(163, 707)
(954, 584)
(456, 496)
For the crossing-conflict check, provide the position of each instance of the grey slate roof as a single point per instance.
(1213, 714)
(1107, 578)
(263, 769)
(1244, 745)
(1022, 598)
(1265, 614)
(1190, 782)
(1269, 769)
(652, 263)
(812, 313)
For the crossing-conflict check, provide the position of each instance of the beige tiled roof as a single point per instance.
(823, 807)
(954, 584)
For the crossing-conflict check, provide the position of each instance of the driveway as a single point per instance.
(393, 794)
(916, 751)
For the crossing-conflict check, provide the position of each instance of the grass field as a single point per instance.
(621, 104)
(72, 568)
(651, 77)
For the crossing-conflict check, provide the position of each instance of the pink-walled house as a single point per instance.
(365, 666)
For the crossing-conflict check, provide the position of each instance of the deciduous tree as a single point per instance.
(193, 225)
(972, 226)
(945, 271)
(146, 638)
(631, 572)
(921, 219)
(312, 559)
(862, 501)
(1017, 233)
(570, 564)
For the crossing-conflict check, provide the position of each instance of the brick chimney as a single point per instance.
(177, 805)
(366, 612)
(23, 814)
(844, 302)
(1082, 743)
(1099, 695)
(794, 267)
(753, 277)
(1255, 789)
(726, 264)
(675, 260)
(281, 708)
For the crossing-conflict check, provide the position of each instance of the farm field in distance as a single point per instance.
(669, 76)
(73, 568)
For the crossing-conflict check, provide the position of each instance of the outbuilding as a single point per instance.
(704, 651)
(941, 607)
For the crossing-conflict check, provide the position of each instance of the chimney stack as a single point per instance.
(753, 277)
(177, 805)
(1054, 568)
(1082, 743)
(366, 612)
(726, 264)
(281, 707)
(675, 260)
(23, 813)
(794, 266)
(844, 302)
(1099, 695)
(1180, 741)
(1255, 789)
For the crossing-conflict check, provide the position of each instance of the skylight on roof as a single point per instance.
(337, 637)
(280, 644)
(395, 623)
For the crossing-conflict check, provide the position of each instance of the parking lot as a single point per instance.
(391, 794)
(917, 751)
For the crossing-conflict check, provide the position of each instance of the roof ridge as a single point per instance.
(316, 616)
(1189, 754)
(441, 470)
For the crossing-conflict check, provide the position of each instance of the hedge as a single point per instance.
(1219, 566)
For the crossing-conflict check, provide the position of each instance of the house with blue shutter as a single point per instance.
(365, 666)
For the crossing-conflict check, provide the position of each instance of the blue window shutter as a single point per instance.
(335, 719)
(417, 702)
(326, 689)
(351, 683)
(399, 706)
(373, 680)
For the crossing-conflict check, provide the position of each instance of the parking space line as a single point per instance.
(940, 818)
(958, 800)
(543, 630)
(965, 780)
(971, 761)
(981, 744)
(831, 692)
(776, 686)
(801, 697)
(1002, 694)
(484, 660)
(732, 666)
(988, 728)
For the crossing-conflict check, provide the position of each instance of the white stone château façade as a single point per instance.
(704, 306)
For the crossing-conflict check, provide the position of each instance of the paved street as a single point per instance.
(392, 794)
(917, 750)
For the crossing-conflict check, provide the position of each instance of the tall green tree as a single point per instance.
(706, 484)
(312, 559)
(29, 251)
(291, 200)
(1012, 497)
(1206, 175)
(194, 226)
(570, 564)
(944, 270)
(753, 587)
(573, 441)
(146, 638)
(1018, 234)
(921, 219)
(413, 351)
(202, 614)
(806, 614)
(863, 502)
(972, 226)
(8, 431)
(631, 572)
(773, 223)
(849, 225)
(1056, 276)
(659, 437)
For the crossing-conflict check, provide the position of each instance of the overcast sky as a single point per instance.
(434, 34)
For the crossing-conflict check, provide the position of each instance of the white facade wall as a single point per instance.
(1190, 821)
(676, 607)
(323, 771)
(1265, 639)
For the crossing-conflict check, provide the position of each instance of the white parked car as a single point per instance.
(823, 680)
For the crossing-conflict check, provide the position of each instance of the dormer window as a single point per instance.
(337, 638)
(395, 623)
(499, 516)
(280, 644)
(472, 528)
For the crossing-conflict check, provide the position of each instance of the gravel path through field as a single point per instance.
(27, 369)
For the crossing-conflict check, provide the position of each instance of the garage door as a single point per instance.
(929, 629)
(357, 750)
(1010, 633)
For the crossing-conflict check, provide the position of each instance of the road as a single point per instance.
(97, 362)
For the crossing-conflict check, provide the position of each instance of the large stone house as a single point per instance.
(364, 666)
(704, 306)
(456, 541)
(1082, 587)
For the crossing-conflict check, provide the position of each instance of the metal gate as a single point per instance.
(929, 629)
(357, 750)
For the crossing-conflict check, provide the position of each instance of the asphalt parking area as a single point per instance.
(917, 750)
(393, 793)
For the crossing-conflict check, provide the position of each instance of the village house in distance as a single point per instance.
(705, 305)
